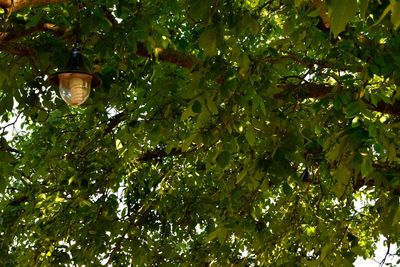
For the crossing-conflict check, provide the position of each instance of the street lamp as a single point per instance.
(75, 81)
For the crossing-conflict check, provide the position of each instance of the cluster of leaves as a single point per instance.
(242, 133)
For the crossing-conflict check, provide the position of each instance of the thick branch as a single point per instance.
(319, 4)
(15, 49)
(8, 39)
(312, 90)
(18, 200)
(20, 31)
(357, 184)
(393, 109)
(5, 4)
(12, 6)
(170, 55)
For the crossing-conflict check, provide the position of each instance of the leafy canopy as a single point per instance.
(225, 133)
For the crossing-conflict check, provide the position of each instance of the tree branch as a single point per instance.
(393, 109)
(313, 90)
(108, 14)
(114, 121)
(161, 153)
(8, 39)
(382, 263)
(170, 55)
(15, 49)
(307, 90)
(20, 31)
(6, 4)
(319, 4)
(15, 5)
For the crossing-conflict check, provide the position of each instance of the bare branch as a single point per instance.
(382, 263)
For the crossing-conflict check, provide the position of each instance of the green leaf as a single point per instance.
(363, 8)
(287, 189)
(196, 107)
(71, 180)
(297, 3)
(395, 18)
(188, 113)
(391, 150)
(244, 63)
(385, 12)
(200, 9)
(335, 153)
(42, 116)
(342, 176)
(3, 183)
(249, 22)
(391, 215)
(3, 77)
(366, 167)
(211, 106)
(324, 251)
(208, 42)
(33, 20)
(273, 90)
(223, 159)
(241, 176)
(372, 130)
(250, 136)
(188, 141)
(6, 104)
(354, 109)
(212, 235)
(342, 13)
(221, 234)
(394, 7)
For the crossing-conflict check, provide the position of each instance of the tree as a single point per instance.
(239, 133)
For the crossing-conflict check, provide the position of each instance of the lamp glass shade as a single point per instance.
(74, 87)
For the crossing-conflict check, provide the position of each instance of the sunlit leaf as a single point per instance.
(342, 13)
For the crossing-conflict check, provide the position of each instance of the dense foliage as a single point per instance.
(225, 133)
